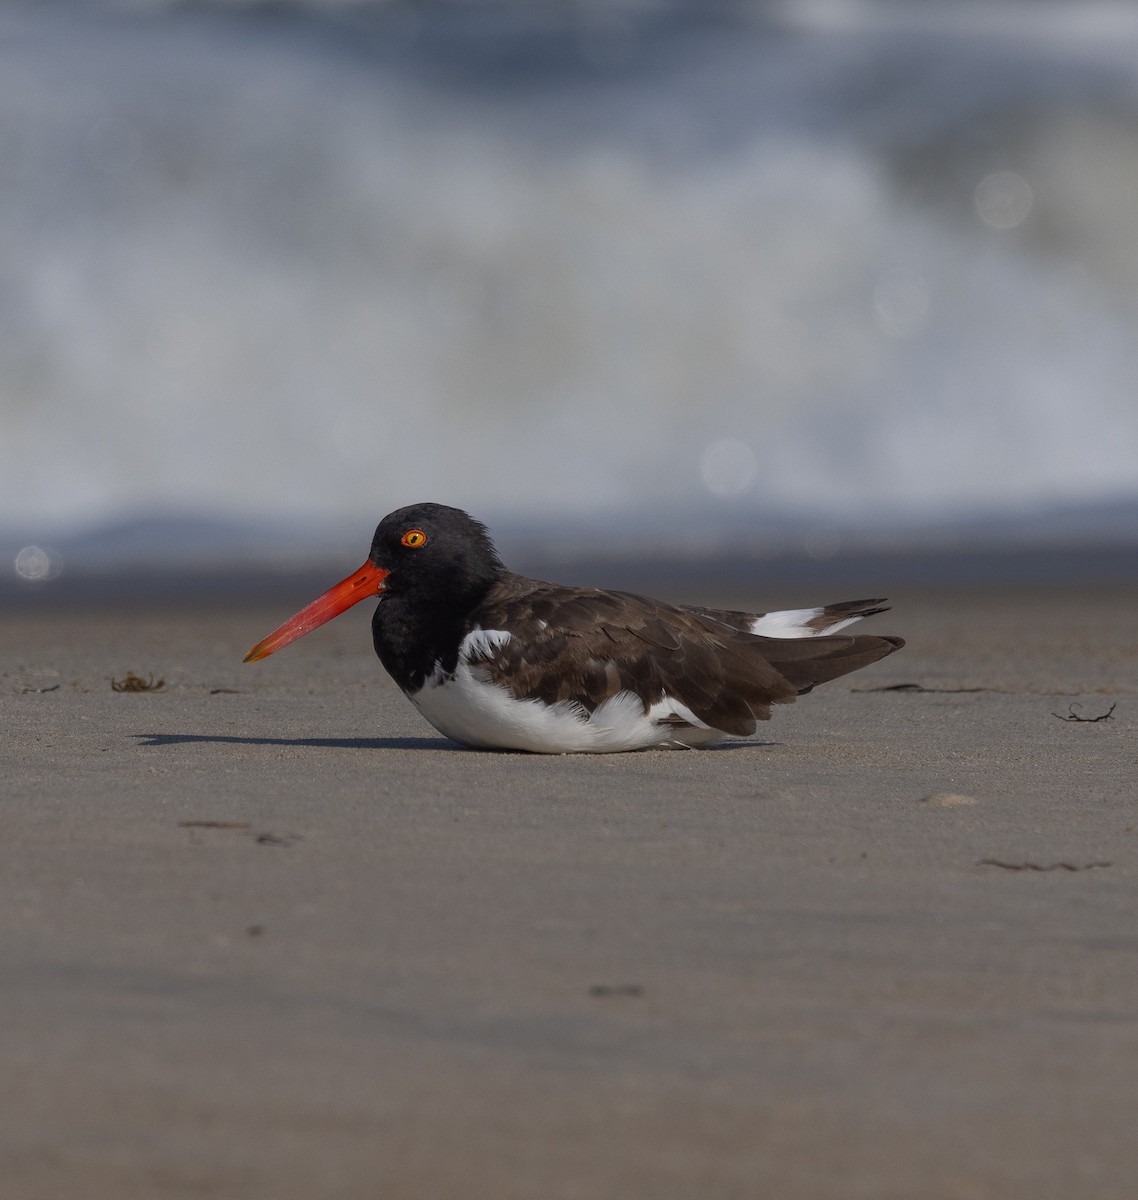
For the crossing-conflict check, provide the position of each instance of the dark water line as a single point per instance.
(879, 573)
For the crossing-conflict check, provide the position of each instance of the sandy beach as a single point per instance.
(266, 935)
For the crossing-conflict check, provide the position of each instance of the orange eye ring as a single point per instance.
(413, 539)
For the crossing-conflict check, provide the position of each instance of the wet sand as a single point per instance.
(264, 934)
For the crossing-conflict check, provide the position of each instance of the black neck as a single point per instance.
(413, 632)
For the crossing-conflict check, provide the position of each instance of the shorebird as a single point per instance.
(498, 661)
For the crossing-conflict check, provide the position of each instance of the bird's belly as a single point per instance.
(476, 712)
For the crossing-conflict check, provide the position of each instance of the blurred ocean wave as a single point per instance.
(655, 277)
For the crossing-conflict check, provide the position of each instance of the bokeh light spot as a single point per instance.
(1003, 199)
(727, 467)
(37, 565)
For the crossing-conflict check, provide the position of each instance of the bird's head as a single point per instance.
(425, 552)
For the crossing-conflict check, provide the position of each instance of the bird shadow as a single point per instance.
(380, 743)
(720, 747)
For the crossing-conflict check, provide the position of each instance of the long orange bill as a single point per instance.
(367, 581)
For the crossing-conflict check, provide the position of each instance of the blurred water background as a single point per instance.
(812, 284)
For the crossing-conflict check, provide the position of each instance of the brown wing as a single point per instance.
(585, 645)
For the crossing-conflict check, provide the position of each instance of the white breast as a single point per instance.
(469, 708)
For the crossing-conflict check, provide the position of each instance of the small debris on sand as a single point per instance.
(131, 682)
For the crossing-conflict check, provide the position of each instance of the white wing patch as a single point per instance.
(795, 623)
(481, 643)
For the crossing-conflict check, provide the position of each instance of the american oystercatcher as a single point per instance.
(499, 661)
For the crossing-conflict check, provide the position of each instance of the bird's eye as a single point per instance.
(413, 538)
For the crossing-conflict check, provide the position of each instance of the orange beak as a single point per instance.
(367, 581)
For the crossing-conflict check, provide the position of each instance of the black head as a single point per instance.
(431, 548)
(431, 564)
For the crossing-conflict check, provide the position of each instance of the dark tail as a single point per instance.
(851, 608)
(807, 662)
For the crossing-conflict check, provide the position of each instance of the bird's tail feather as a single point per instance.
(806, 662)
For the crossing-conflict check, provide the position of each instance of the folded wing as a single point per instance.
(586, 646)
